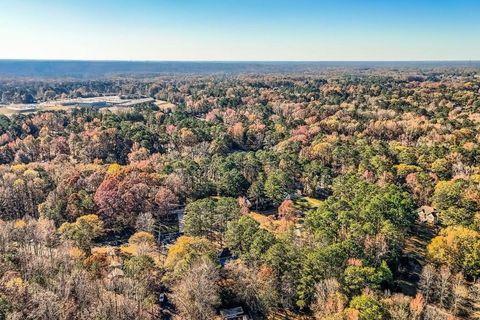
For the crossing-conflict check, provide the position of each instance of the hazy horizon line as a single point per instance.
(231, 61)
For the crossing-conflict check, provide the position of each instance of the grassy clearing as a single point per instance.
(6, 112)
(269, 220)
(271, 224)
(9, 112)
(165, 106)
(307, 203)
(260, 218)
(55, 108)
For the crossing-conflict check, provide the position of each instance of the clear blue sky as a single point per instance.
(240, 29)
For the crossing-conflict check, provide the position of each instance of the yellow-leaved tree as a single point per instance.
(457, 247)
(83, 231)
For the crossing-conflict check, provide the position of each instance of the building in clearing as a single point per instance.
(427, 214)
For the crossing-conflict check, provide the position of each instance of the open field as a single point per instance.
(112, 103)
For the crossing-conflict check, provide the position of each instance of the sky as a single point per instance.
(243, 30)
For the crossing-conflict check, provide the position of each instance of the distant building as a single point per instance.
(427, 214)
(234, 314)
(93, 104)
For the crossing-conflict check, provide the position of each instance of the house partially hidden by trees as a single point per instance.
(427, 214)
(234, 314)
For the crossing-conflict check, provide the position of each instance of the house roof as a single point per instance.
(232, 312)
(116, 273)
(115, 264)
(426, 209)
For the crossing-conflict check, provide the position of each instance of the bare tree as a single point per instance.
(427, 282)
(329, 301)
(443, 285)
(459, 294)
(197, 294)
(433, 312)
(475, 298)
(145, 222)
(248, 288)
(399, 307)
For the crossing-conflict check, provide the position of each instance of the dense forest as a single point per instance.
(298, 195)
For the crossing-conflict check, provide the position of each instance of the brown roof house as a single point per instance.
(427, 214)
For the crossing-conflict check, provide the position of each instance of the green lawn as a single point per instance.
(307, 203)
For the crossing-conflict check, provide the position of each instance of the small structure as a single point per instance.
(180, 213)
(427, 214)
(115, 264)
(162, 298)
(236, 313)
(116, 273)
